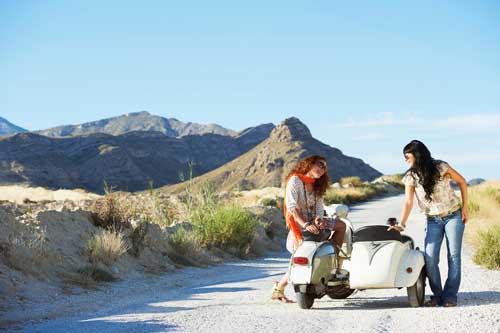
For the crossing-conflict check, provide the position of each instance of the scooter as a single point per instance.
(371, 257)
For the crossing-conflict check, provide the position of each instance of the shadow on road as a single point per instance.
(466, 299)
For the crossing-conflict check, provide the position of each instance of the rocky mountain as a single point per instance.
(138, 121)
(7, 127)
(268, 163)
(128, 161)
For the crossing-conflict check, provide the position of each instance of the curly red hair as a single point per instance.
(302, 167)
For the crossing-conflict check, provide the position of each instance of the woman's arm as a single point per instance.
(462, 183)
(308, 225)
(407, 206)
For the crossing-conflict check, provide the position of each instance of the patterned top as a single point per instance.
(296, 197)
(443, 197)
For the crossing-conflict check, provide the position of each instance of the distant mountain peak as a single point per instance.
(6, 127)
(291, 129)
(137, 121)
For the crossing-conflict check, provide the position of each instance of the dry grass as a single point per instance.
(25, 251)
(483, 228)
(106, 247)
(116, 210)
(354, 181)
(351, 195)
(88, 277)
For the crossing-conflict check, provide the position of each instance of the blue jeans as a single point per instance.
(451, 227)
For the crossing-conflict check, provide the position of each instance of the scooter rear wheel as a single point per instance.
(304, 300)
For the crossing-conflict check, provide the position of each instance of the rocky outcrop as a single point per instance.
(268, 163)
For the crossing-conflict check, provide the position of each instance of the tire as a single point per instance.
(305, 300)
(416, 293)
(339, 292)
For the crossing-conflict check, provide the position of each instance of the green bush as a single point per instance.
(182, 241)
(229, 228)
(488, 253)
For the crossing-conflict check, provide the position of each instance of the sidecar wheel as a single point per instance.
(416, 293)
(305, 300)
(339, 292)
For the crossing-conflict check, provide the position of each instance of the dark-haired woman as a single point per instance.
(305, 186)
(429, 181)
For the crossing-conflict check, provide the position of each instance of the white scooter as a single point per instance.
(371, 258)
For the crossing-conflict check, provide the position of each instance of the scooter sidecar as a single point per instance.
(386, 259)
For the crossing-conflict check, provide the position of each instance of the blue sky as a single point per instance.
(365, 76)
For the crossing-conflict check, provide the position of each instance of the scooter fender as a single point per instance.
(319, 258)
(409, 269)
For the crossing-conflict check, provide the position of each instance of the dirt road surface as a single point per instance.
(235, 297)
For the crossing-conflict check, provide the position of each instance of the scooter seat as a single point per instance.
(376, 233)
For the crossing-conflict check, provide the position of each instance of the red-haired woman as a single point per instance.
(305, 187)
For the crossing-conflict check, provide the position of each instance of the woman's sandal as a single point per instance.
(431, 303)
(279, 294)
(449, 304)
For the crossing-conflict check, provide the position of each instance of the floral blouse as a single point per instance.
(443, 198)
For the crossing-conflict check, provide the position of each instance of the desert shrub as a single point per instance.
(136, 238)
(352, 195)
(483, 227)
(473, 207)
(88, 277)
(229, 228)
(395, 180)
(159, 211)
(354, 180)
(25, 250)
(183, 241)
(269, 202)
(216, 224)
(488, 252)
(113, 211)
(106, 247)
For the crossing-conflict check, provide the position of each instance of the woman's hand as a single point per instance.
(312, 229)
(396, 227)
(465, 214)
(320, 222)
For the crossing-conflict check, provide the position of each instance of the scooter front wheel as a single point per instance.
(305, 300)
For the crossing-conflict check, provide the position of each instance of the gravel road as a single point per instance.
(236, 297)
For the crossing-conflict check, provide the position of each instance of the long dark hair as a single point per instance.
(302, 167)
(425, 167)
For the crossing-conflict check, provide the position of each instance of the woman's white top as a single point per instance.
(443, 198)
(308, 204)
